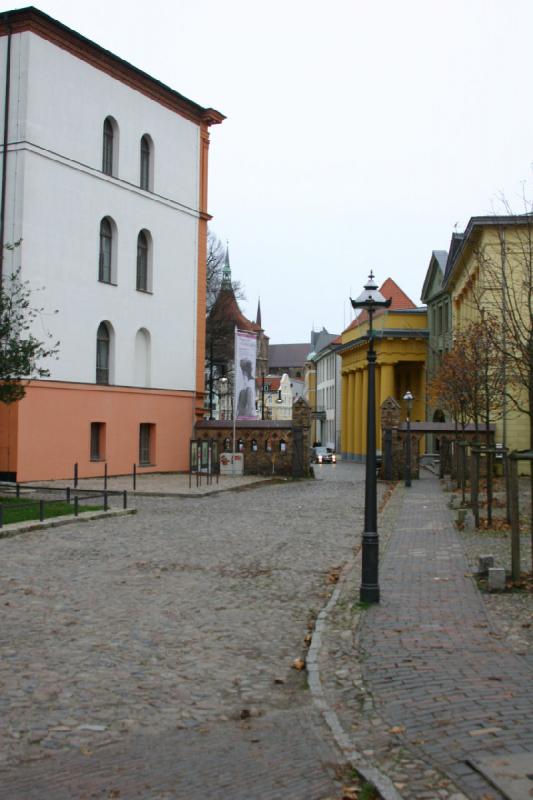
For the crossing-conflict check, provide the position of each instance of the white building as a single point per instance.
(279, 404)
(328, 377)
(106, 186)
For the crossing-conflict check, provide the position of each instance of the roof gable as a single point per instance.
(434, 275)
(37, 22)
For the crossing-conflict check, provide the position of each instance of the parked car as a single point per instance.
(324, 455)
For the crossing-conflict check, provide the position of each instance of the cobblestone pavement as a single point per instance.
(150, 657)
(147, 657)
(440, 673)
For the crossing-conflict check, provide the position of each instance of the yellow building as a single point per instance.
(492, 271)
(400, 341)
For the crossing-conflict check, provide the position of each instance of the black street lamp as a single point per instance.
(408, 397)
(370, 300)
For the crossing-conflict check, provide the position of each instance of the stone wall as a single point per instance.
(270, 447)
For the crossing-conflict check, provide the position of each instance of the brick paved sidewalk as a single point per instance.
(435, 664)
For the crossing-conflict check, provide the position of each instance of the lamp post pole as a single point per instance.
(408, 397)
(370, 299)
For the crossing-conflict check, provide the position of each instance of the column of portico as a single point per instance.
(387, 382)
(344, 411)
(377, 404)
(351, 413)
(364, 410)
(358, 407)
(386, 389)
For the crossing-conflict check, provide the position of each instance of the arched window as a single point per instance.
(282, 446)
(103, 353)
(142, 262)
(254, 445)
(227, 445)
(108, 147)
(240, 445)
(105, 263)
(268, 445)
(142, 358)
(146, 163)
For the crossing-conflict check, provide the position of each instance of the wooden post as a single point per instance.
(507, 473)
(444, 455)
(474, 486)
(515, 521)
(489, 485)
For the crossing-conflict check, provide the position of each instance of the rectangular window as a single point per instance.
(97, 441)
(146, 444)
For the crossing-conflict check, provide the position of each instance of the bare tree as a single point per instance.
(502, 286)
(220, 324)
(216, 256)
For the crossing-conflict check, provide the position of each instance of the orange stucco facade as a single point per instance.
(46, 433)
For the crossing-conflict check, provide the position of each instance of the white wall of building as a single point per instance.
(329, 398)
(57, 196)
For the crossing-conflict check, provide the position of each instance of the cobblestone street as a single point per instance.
(150, 657)
(168, 627)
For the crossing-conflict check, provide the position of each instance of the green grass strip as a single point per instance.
(17, 509)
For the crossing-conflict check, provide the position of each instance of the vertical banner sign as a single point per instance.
(245, 358)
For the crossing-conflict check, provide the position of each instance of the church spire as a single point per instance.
(258, 317)
(226, 271)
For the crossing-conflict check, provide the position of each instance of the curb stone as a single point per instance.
(355, 759)
(212, 492)
(15, 528)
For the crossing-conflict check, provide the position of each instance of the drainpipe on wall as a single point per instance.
(4, 154)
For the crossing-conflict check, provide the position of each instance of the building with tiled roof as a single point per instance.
(289, 358)
(400, 341)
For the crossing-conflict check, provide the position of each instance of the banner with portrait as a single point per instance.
(245, 359)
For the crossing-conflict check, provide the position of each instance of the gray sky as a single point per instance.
(358, 133)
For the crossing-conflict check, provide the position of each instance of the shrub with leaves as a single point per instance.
(21, 352)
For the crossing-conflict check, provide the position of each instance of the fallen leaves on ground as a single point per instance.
(497, 524)
(298, 664)
(350, 793)
(524, 584)
(334, 575)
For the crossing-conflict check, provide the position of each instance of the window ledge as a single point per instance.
(97, 460)
(146, 465)
(144, 291)
(107, 283)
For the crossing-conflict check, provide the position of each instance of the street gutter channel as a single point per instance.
(356, 760)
